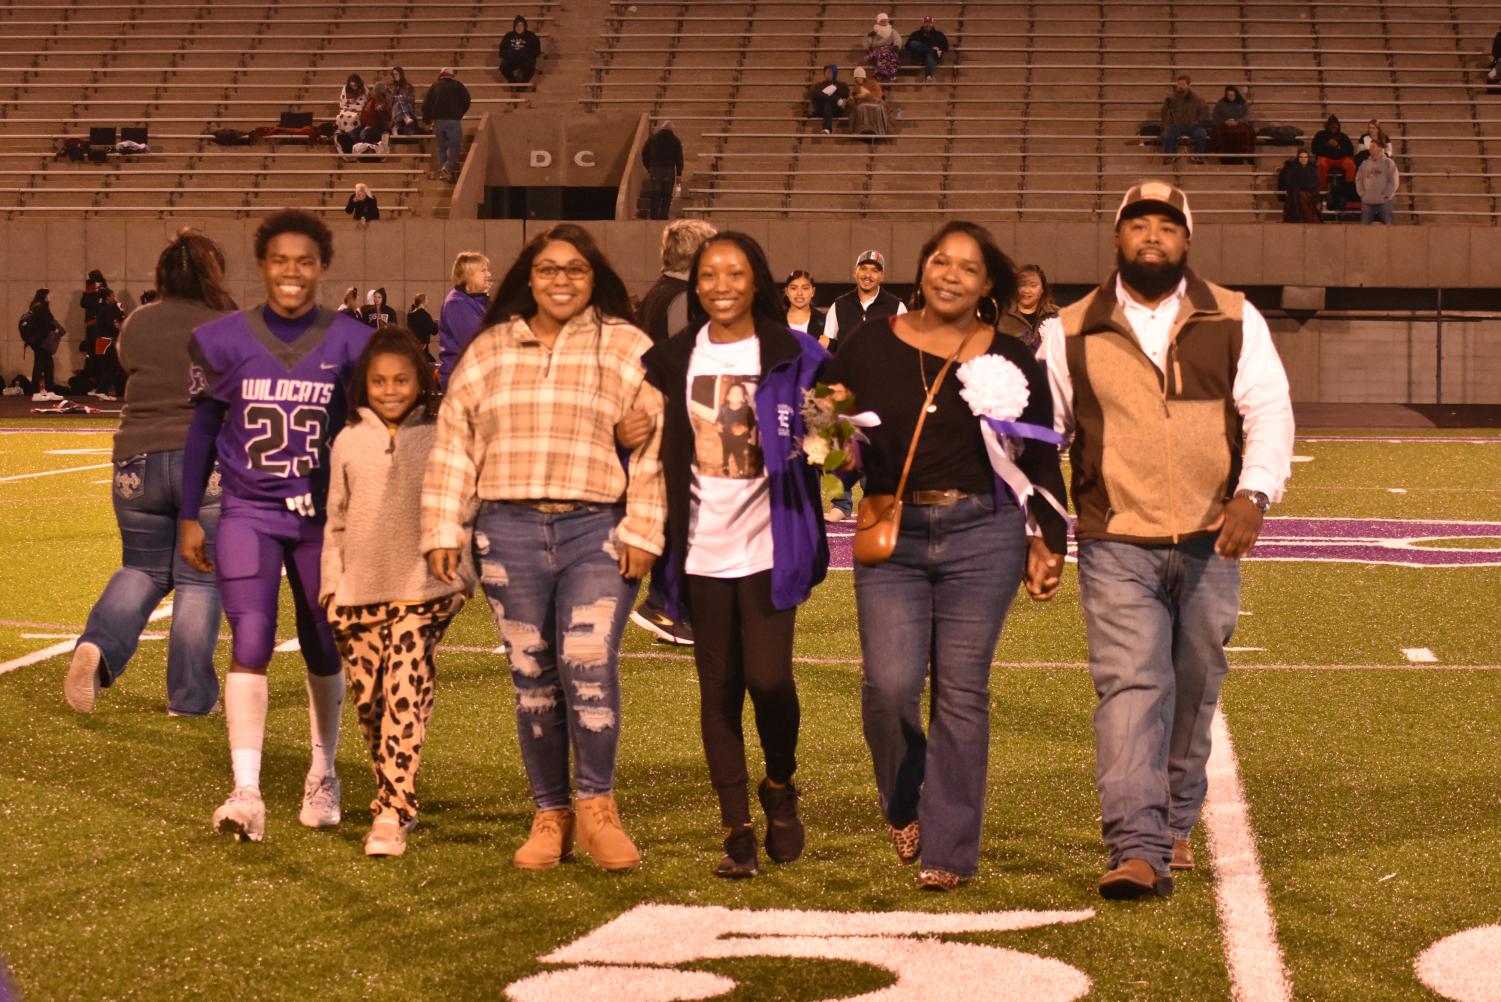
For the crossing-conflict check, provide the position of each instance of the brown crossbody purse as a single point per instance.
(880, 517)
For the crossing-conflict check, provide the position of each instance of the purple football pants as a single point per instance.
(254, 542)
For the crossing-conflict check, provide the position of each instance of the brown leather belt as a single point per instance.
(943, 499)
(551, 507)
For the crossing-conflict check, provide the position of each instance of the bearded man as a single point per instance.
(1182, 430)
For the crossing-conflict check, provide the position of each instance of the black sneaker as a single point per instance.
(654, 620)
(739, 860)
(785, 835)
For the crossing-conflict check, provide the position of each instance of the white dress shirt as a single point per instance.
(831, 319)
(1260, 392)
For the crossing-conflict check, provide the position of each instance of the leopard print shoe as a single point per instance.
(908, 842)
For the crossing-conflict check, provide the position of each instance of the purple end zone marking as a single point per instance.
(1347, 540)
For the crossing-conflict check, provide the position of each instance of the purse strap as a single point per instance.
(922, 415)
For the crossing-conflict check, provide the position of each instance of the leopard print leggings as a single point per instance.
(388, 649)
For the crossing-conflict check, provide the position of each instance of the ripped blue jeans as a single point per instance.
(554, 586)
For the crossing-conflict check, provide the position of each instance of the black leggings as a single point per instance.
(743, 643)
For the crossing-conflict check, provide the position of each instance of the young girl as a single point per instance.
(387, 611)
(745, 531)
(798, 292)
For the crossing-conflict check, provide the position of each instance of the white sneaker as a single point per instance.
(81, 686)
(44, 397)
(387, 837)
(243, 815)
(834, 515)
(320, 802)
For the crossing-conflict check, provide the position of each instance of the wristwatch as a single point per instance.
(1260, 500)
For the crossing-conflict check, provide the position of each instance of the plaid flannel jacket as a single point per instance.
(521, 422)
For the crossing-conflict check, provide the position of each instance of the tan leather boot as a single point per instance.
(601, 836)
(551, 841)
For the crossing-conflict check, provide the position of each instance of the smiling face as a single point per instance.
(292, 269)
(954, 278)
(392, 387)
(1028, 290)
(1152, 252)
(477, 278)
(868, 278)
(562, 281)
(799, 293)
(725, 286)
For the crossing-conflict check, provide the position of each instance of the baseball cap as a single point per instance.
(1156, 196)
(871, 257)
(927, 19)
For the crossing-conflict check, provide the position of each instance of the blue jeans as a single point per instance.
(922, 54)
(449, 133)
(939, 600)
(1374, 212)
(1157, 619)
(1195, 133)
(560, 604)
(147, 495)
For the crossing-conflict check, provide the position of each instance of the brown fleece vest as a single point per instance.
(1155, 455)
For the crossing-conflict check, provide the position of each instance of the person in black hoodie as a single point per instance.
(519, 51)
(926, 46)
(1333, 148)
(662, 156)
(101, 332)
(377, 312)
(1299, 183)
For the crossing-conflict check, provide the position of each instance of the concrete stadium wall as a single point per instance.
(1328, 360)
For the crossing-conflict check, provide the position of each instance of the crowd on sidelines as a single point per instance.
(575, 442)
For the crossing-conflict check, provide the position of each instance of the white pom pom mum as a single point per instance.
(994, 387)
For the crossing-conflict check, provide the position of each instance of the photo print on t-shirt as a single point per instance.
(727, 443)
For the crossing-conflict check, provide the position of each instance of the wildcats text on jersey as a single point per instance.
(302, 391)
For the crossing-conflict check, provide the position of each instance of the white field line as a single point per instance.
(1249, 931)
(65, 646)
(53, 473)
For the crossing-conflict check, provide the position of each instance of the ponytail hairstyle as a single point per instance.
(192, 267)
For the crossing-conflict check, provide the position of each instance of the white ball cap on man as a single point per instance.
(1156, 196)
(871, 257)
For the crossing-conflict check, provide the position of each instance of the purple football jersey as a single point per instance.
(285, 401)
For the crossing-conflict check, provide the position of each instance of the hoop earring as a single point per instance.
(995, 306)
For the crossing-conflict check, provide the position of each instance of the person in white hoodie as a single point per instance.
(387, 610)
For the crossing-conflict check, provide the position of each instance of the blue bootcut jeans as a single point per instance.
(554, 586)
(940, 600)
(1157, 619)
(147, 496)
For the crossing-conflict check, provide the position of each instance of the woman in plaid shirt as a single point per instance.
(525, 460)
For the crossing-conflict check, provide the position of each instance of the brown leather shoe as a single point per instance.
(1183, 855)
(601, 835)
(1134, 878)
(551, 841)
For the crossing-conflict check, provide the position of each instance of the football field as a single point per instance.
(1351, 848)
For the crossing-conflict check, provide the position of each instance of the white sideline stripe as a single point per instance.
(1419, 655)
(53, 473)
(74, 636)
(66, 646)
(1252, 954)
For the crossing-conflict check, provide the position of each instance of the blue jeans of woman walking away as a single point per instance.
(939, 600)
(147, 497)
(554, 586)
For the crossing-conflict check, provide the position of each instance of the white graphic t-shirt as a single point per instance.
(729, 521)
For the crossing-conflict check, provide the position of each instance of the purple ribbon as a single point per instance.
(1020, 429)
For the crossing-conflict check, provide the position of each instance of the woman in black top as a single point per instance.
(797, 292)
(938, 603)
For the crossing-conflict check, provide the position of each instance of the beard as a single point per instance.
(1152, 281)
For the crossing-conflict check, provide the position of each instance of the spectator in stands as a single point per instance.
(375, 116)
(351, 303)
(444, 107)
(362, 206)
(662, 156)
(1184, 113)
(1376, 182)
(868, 116)
(354, 95)
(519, 51)
(926, 46)
(1024, 318)
(883, 48)
(1373, 130)
(828, 97)
(1332, 148)
(463, 309)
(1234, 132)
(798, 291)
(41, 332)
(421, 323)
(1299, 183)
(403, 104)
(377, 313)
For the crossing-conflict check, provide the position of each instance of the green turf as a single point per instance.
(112, 886)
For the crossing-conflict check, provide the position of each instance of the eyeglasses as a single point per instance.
(575, 272)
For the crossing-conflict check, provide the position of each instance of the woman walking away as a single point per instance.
(563, 532)
(147, 494)
(387, 611)
(935, 606)
(745, 518)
